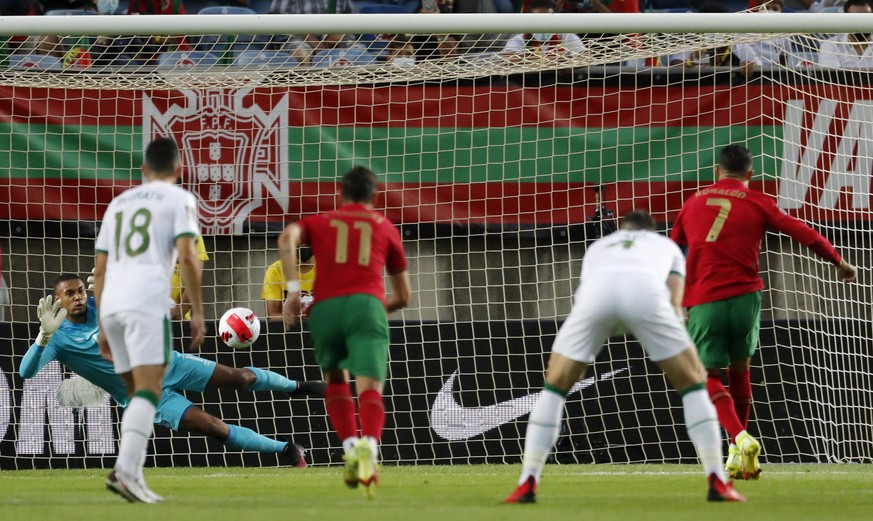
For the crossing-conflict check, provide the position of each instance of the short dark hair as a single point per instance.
(64, 277)
(852, 3)
(305, 253)
(598, 189)
(538, 4)
(638, 220)
(735, 159)
(359, 185)
(162, 156)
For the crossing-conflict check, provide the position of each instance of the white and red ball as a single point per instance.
(239, 328)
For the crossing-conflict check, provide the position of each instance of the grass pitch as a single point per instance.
(443, 493)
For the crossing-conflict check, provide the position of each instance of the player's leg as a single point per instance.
(708, 326)
(196, 420)
(576, 345)
(256, 379)
(367, 343)
(686, 374)
(654, 323)
(744, 330)
(140, 353)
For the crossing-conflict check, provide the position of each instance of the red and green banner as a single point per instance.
(506, 155)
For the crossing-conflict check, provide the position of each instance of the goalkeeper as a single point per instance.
(68, 333)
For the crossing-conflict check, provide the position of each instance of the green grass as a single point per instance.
(444, 493)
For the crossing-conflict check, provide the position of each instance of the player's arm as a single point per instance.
(677, 234)
(191, 268)
(99, 279)
(289, 241)
(676, 285)
(401, 293)
(50, 315)
(805, 235)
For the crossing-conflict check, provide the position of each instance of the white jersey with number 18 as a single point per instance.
(138, 236)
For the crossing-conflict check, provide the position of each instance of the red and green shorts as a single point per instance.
(351, 333)
(726, 330)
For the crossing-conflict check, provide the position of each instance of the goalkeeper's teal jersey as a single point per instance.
(75, 346)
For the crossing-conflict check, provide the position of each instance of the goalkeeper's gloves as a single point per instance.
(50, 315)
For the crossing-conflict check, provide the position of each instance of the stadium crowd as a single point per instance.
(56, 53)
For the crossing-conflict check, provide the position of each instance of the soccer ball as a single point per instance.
(239, 327)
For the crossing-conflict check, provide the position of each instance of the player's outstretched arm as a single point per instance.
(50, 315)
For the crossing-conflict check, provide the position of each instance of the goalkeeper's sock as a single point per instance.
(371, 410)
(137, 424)
(542, 432)
(270, 381)
(741, 391)
(724, 406)
(701, 423)
(242, 438)
(341, 410)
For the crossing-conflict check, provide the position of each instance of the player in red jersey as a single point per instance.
(348, 322)
(723, 225)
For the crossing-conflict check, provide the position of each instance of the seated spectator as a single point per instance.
(337, 50)
(401, 52)
(718, 57)
(158, 44)
(292, 44)
(274, 292)
(182, 307)
(768, 53)
(849, 51)
(544, 44)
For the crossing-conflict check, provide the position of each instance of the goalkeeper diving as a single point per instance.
(68, 333)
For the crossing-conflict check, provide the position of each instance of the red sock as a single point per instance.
(341, 409)
(741, 391)
(372, 411)
(724, 405)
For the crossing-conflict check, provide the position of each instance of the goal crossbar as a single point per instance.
(454, 24)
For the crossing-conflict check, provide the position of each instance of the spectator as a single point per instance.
(336, 50)
(718, 57)
(273, 291)
(848, 51)
(401, 52)
(603, 221)
(158, 44)
(768, 53)
(293, 44)
(544, 44)
(182, 307)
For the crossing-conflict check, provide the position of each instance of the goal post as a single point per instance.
(500, 158)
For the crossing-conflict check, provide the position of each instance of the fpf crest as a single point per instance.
(233, 152)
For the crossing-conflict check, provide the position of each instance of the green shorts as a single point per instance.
(351, 333)
(726, 330)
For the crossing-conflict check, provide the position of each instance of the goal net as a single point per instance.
(502, 150)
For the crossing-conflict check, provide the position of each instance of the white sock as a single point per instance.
(542, 432)
(374, 445)
(701, 421)
(348, 443)
(137, 425)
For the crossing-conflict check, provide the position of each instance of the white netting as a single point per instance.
(488, 159)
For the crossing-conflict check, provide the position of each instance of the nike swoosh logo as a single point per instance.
(453, 422)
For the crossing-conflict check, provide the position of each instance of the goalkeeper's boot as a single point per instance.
(721, 491)
(350, 471)
(295, 454)
(524, 493)
(315, 388)
(368, 470)
(750, 448)
(734, 465)
(130, 489)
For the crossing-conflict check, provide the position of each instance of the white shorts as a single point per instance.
(136, 339)
(617, 304)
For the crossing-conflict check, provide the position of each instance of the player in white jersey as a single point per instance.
(632, 280)
(143, 231)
